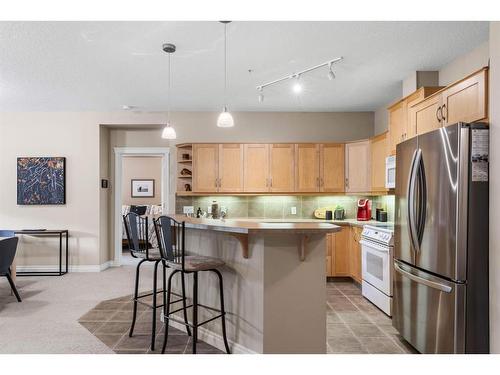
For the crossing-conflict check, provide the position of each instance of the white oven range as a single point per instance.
(377, 247)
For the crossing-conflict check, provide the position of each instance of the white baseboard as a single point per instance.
(215, 340)
(79, 268)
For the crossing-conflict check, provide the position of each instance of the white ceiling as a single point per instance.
(100, 66)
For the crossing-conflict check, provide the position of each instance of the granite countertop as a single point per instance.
(245, 226)
(248, 225)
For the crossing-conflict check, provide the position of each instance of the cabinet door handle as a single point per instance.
(444, 109)
(322, 183)
(347, 182)
(216, 183)
(439, 114)
(271, 182)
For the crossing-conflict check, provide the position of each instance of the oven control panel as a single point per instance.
(380, 235)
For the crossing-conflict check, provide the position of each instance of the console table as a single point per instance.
(61, 233)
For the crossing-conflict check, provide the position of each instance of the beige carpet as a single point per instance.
(47, 319)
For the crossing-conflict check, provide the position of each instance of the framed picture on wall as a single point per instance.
(142, 188)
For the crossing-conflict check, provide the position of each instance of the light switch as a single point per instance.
(293, 210)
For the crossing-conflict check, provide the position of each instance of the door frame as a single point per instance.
(120, 152)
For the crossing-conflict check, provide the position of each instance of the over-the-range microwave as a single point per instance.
(390, 172)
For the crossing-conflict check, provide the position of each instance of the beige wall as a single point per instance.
(141, 168)
(494, 186)
(464, 65)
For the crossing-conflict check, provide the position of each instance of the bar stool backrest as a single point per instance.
(136, 229)
(171, 238)
(8, 249)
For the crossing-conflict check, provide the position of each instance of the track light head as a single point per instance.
(331, 75)
(261, 98)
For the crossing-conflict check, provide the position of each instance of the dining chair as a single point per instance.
(8, 247)
(171, 240)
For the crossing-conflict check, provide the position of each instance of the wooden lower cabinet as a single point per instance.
(338, 253)
(355, 253)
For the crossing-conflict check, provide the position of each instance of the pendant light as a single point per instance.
(225, 119)
(168, 131)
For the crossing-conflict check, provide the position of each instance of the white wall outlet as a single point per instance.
(293, 210)
(188, 209)
(209, 209)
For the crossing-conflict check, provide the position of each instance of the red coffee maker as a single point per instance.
(364, 209)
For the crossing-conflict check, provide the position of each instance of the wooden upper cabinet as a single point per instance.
(466, 100)
(397, 124)
(256, 168)
(230, 174)
(425, 116)
(281, 167)
(205, 167)
(307, 167)
(400, 125)
(378, 151)
(331, 158)
(358, 167)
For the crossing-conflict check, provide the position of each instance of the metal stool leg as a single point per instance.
(155, 288)
(223, 312)
(195, 310)
(166, 304)
(136, 293)
(13, 286)
(183, 282)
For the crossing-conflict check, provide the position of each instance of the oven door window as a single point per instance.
(375, 266)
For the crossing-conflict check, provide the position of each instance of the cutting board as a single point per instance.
(320, 213)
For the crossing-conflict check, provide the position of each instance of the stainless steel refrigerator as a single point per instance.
(440, 302)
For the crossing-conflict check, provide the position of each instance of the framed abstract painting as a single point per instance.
(142, 188)
(41, 180)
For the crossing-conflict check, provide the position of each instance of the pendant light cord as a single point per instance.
(168, 91)
(225, 67)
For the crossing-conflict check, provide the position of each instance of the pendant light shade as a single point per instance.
(168, 132)
(225, 119)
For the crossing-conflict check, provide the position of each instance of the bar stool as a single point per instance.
(171, 242)
(137, 231)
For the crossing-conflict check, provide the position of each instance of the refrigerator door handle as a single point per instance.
(421, 280)
(412, 227)
(422, 197)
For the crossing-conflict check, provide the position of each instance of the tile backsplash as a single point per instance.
(280, 207)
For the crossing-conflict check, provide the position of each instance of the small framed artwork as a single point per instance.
(143, 188)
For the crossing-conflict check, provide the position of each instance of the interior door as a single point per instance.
(256, 168)
(440, 158)
(230, 167)
(332, 167)
(404, 161)
(205, 167)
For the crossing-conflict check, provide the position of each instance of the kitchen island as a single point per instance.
(274, 283)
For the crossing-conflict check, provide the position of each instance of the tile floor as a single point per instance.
(110, 322)
(355, 325)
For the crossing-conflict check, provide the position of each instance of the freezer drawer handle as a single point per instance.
(421, 280)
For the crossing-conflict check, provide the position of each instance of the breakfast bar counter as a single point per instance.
(274, 283)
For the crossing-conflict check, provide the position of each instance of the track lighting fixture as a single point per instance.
(297, 87)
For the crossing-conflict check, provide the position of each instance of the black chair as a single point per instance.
(171, 242)
(137, 231)
(8, 248)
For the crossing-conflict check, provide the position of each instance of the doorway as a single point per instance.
(160, 189)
